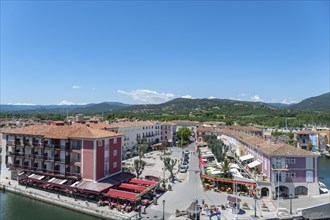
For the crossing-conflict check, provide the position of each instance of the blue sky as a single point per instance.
(150, 52)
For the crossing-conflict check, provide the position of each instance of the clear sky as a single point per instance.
(152, 51)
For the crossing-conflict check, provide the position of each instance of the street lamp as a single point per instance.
(164, 176)
(290, 204)
(256, 196)
(163, 209)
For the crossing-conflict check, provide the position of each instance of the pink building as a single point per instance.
(68, 151)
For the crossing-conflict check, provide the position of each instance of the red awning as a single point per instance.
(142, 182)
(132, 187)
(122, 194)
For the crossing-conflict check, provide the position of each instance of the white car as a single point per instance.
(182, 169)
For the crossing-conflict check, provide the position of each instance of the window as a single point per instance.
(309, 176)
(114, 164)
(293, 175)
(293, 161)
(115, 140)
(114, 153)
(106, 169)
(99, 143)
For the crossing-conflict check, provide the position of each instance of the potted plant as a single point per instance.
(177, 213)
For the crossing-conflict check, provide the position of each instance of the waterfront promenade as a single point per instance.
(66, 202)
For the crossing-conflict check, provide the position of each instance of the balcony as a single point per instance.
(39, 157)
(49, 146)
(38, 144)
(19, 143)
(76, 163)
(75, 176)
(50, 159)
(28, 144)
(280, 167)
(11, 143)
(76, 147)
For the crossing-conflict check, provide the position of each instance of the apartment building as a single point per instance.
(133, 130)
(278, 168)
(68, 151)
(168, 132)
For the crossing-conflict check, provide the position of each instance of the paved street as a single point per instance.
(189, 190)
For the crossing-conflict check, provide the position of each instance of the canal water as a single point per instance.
(16, 207)
(324, 170)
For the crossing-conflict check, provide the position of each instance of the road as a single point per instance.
(184, 193)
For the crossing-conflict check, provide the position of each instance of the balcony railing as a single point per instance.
(49, 146)
(38, 144)
(280, 167)
(11, 143)
(75, 147)
(49, 158)
(28, 144)
(39, 157)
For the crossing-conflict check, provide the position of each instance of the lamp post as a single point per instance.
(256, 196)
(164, 176)
(163, 209)
(236, 199)
(278, 187)
(290, 204)
(255, 206)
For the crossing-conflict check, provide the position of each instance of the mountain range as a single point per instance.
(319, 103)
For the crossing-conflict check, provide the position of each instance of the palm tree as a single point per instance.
(225, 167)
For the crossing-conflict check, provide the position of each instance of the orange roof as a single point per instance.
(127, 124)
(306, 132)
(63, 132)
(278, 149)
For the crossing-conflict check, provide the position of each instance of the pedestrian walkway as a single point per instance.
(269, 203)
(64, 201)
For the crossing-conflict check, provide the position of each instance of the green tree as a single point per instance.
(183, 135)
(169, 165)
(218, 148)
(165, 145)
(139, 167)
(141, 146)
(225, 167)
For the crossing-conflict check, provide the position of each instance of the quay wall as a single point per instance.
(66, 203)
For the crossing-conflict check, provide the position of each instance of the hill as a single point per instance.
(100, 107)
(186, 106)
(62, 109)
(318, 103)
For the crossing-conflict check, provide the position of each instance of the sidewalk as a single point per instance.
(66, 202)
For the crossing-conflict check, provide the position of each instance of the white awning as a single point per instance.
(215, 172)
(254, 163)
(234, 165)
(207, 155)
(246, 157)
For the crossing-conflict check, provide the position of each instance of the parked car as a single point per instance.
(184, 165)
(183, 169)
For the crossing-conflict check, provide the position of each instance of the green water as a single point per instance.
(324, 170)
(13, 206)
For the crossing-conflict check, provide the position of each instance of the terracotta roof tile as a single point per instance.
(271, 149)
(63, 132)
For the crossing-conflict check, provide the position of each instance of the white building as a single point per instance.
(168, 132)
(133, 130)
